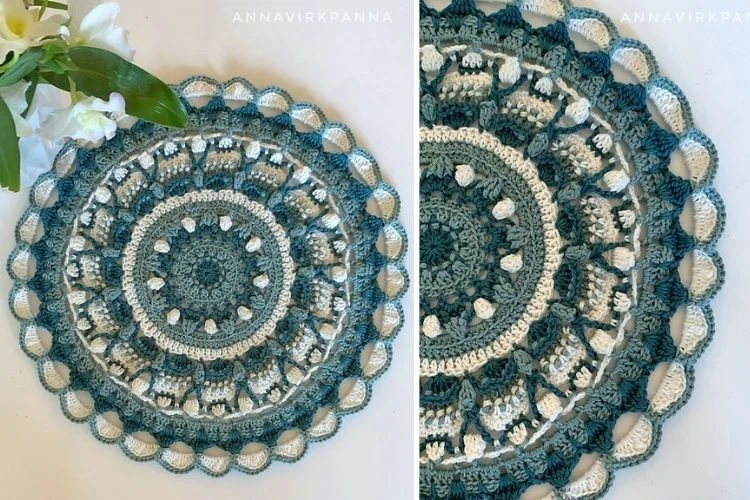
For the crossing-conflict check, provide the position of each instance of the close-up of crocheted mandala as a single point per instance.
(568, 226)
(215, 297)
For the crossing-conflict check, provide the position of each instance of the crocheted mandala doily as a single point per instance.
(215, 297)
(567, 234)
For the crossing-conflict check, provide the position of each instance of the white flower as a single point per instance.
(518, 434)
(623, 259)
(15, 98)
(474, 446)
(21, 28)
(504, 209)
(97, 28)
(583, 378)
(435, 451)
(602, 342)
(85, 120)
(579, 110)
(616, 180)
(225, 222)
(432, 60)
(549, 405)
(622, 302)
(545, 85)
(37, 154)
(472, 60)
(464, 175)
(604, 142)
(510, 71)
(512, 263)
(173, 316)
(261, 281)
(484, 308)
(210, 326)
(244, 313)
(627, 218)
(431, 326)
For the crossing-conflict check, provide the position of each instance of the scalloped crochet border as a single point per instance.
(239, 89)
(564, 10)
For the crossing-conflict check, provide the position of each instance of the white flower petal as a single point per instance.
(23, 129)
(97, 28)
(85, 120)
(36, 157)
(8, 46)
(20, 28)
(99, 18)
(49, 26)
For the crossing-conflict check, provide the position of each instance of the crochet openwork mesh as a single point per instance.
(567, 234)
(215, 297)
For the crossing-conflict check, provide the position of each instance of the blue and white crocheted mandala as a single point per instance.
(567, 250)
(215, 297)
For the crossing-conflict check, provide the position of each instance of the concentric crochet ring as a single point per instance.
(215, 297)
(567, 251)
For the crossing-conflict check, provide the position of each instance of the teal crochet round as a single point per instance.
(567, 251)
(215, 297)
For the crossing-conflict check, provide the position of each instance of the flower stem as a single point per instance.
(73, 91)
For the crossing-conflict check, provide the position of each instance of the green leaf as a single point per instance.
(99, 73)
(50, 5)
(58, 80)
(25, 65)
(10, 59)
(10, 156)
(55, 58)
(30, 93)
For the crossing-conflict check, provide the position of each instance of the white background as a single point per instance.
(360, 74)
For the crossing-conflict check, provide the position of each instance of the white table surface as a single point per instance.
(360, 74)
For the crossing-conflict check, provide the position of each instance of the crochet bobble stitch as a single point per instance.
(216, 297)
(550, 249)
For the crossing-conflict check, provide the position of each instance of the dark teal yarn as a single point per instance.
(551, 244)
(216, 297)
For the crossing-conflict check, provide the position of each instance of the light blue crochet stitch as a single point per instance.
(215, 297)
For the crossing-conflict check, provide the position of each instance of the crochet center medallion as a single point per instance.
(567, 234)
(218, 296)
